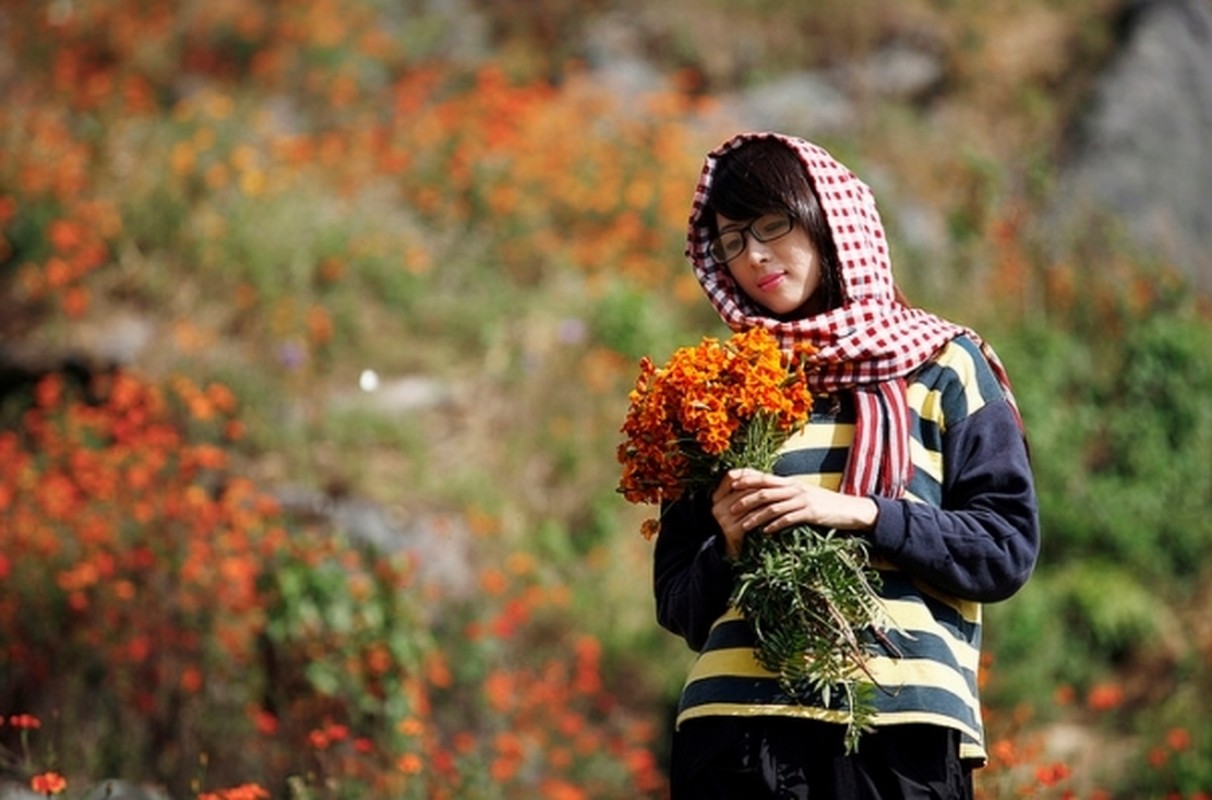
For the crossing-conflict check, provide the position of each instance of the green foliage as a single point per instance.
(635, 322)
(26, 236)
(809, 596)
(342, 635)
(355, 427)
(1175, 752)
(1108, 607)
(1070, 625)
(1120, 444)
(1120, 432)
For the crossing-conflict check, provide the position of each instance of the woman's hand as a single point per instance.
(748, 500)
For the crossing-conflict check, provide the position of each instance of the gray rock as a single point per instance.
(898, 71)
(441, 544)
(10, 790)
(804, 103)
(614, 53)
(1143, 159)
(121, 790)
(115, 340)
(396, 396)
(105, 790)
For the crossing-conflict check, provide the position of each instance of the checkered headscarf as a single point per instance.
(867, 345)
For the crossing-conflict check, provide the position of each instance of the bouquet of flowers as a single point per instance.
(809, 594)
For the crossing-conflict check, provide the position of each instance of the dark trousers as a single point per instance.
(724, 758)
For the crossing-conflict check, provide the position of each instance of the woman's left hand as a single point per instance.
(769, 503)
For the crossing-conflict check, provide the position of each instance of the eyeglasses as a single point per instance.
(766, 228)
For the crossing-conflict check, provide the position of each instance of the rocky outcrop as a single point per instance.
(1141, 160)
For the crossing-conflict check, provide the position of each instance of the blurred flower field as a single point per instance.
(286, 195)
(295, 179)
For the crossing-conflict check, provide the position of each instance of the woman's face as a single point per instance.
(783, 275)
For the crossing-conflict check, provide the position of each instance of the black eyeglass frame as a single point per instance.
(716, 247)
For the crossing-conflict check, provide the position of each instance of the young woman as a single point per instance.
(914, 444)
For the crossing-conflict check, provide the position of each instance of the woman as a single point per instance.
(914, 444)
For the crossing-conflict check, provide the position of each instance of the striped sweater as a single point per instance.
(965, 533)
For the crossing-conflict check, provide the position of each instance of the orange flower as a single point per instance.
(49, 391)
(247, 791)
(25, 721)
(192, 680)
(48, 783)
(1179, 739)
(503, 769)
(705, 407)
(265, 722)
(75, 301)
(437, 672)
(500, 690)
(411, 727)
(64, 235)
(1063, 695)
(320, 327)
(1052, 774)
(493, 581)
(221, 397)
(1105, 697)
(556, 789)
(409, 764)
(331, 270)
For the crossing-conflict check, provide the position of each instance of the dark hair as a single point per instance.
(763, 176)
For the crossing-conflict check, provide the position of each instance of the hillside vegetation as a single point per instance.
(317, 323)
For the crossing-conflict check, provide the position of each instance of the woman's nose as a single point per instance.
(757, 252)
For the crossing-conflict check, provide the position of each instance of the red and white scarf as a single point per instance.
(870, 343)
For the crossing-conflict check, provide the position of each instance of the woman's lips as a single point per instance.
(768, 282)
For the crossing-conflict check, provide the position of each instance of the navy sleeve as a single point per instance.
(692, 580)
(983, 542)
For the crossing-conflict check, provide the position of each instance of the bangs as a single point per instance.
(762, 177)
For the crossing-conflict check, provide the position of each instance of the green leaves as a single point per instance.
(808, 595)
